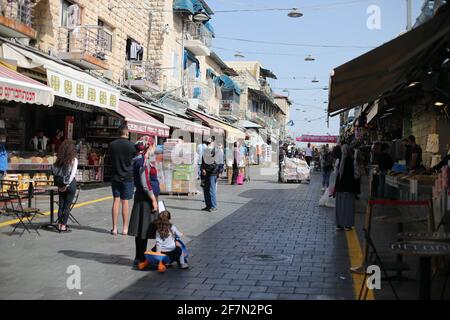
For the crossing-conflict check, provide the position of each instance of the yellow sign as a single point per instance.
(80, 91)
(68, 87)
(55, 83)
(92, 95)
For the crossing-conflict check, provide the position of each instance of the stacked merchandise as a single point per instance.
(295, 169)
(90, 165)
(178, 167)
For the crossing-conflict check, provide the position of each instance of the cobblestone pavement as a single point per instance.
(267, 241)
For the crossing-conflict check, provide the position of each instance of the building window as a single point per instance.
(105, 35)
(70, 14)
(134, 50)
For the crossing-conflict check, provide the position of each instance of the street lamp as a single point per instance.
(295, 13)
(201, 17)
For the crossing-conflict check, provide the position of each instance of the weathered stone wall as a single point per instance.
(126, 18)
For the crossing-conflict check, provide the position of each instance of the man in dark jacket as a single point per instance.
(210, 171)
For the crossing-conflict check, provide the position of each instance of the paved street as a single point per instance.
(261, 218)
(267, 241)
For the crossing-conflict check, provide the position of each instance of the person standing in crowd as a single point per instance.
(220, 158)
(407, 154)
(122, 152)
(67, 163)
(281, 156)
(145, 206)
(308, 154)
(345, 190)
(236, 161)
(327, 165)
(210, 171)
(57, 140)
(385, 163)
(200, 151)
(416, 154)
(3, 153)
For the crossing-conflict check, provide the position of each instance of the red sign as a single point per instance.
(318, 139)
(68, 130)
(17, 94)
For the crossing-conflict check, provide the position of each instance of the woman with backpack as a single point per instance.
(64, 171)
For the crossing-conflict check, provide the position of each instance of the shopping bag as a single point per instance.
(331, 201)
(240, 179)
(324, 199)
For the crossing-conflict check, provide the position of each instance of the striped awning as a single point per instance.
(19, 88)
(140, 122)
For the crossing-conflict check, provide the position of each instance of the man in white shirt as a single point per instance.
(308, 154)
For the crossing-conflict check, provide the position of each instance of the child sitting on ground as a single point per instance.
(166, 243)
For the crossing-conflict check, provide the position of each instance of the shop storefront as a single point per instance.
(402, 89)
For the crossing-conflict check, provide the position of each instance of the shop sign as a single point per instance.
(17, 94)
(81, 91)
(69, 127)
(146, 129)
(318, 139)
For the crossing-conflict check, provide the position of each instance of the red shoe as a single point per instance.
(143, 265)
(161, 267)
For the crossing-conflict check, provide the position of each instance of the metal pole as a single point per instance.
(183, 91)
(408, 15)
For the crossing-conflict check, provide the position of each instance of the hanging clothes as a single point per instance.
(190, 57)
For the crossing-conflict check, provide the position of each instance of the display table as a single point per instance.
(424, 250)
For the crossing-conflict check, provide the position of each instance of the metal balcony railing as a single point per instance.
(199, 90)
(17, 10)
(83, 40)
(229, 108)
(197, 31)
(142, 70)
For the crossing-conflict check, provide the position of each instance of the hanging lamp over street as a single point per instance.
(295, 13)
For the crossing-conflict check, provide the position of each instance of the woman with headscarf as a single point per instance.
(345, 190)
(145, 206)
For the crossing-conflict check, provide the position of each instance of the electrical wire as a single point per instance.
(302, 55)
(320, 6)
(295, 44)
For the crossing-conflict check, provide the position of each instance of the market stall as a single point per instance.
(177, 167)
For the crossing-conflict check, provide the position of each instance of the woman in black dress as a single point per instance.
(145, 206)
(346, 190)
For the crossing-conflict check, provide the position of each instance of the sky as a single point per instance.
(332, 31)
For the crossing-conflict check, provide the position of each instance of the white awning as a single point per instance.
(65, 81)
(186, 125)
(248, 124)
